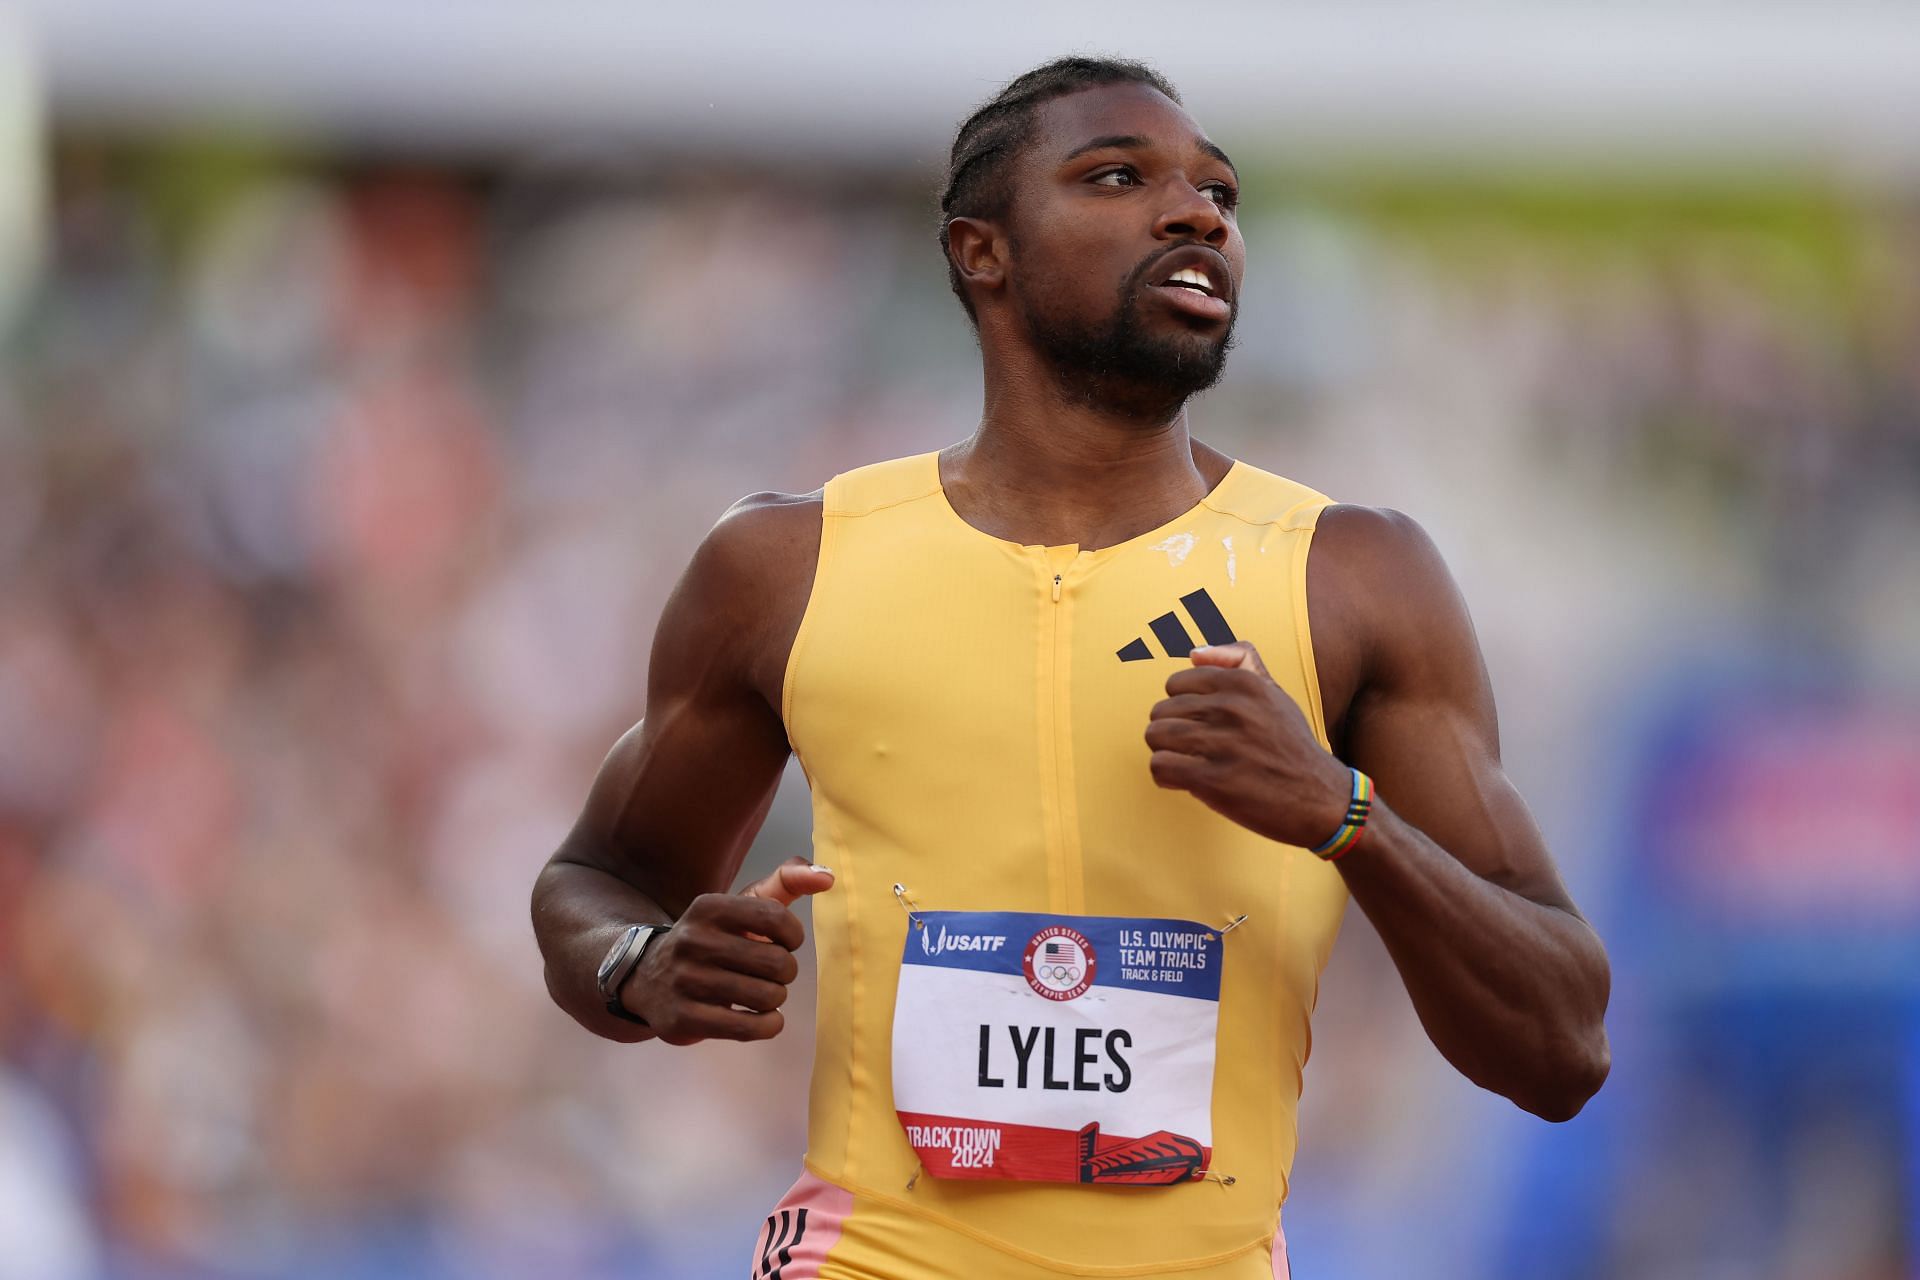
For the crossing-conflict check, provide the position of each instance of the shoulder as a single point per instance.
(1377, 546)
(1384, 608)
(763, 515)
(777, 533)
(1381, 570)
(739, 604)
(760, 538)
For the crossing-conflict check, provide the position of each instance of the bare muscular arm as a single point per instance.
(675, 806)
(1508, 979)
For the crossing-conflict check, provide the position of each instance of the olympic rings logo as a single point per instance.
(1059, 962)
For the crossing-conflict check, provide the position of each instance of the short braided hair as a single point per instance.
(980, 166)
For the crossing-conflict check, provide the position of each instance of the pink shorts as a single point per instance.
(812, 1217)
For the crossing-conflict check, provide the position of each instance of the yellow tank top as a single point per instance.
(969, 713)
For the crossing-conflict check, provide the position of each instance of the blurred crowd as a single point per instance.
(337, 501)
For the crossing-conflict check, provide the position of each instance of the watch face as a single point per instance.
(616, 951)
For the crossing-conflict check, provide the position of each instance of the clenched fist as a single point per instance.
(721, 972)
(1237, 742)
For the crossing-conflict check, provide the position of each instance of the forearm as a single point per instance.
(1512, 992)
(578, 913)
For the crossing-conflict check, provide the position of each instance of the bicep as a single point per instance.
(679, 798)
(1422, 721)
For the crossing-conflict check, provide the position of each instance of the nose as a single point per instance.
(1191, 215)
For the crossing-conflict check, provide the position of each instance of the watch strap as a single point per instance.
(623, 967)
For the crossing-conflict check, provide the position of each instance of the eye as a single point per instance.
(1222, 194)
(1127, 178)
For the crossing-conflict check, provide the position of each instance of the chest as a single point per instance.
(979, 650)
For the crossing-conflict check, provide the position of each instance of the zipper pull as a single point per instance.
(1056, 588)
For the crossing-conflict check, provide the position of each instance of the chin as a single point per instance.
(1133, 363)
(1184, 366)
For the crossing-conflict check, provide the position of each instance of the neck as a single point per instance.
(1053, 465)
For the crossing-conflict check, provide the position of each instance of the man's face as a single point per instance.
(1126, 260)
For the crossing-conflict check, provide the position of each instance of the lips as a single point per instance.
(1194, 280)
(1193, 302)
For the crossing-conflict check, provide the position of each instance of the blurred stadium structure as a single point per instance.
(374, 369)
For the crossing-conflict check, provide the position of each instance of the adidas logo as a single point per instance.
(1172, 634)
(777, 1242)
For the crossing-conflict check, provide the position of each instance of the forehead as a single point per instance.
(1139, 110)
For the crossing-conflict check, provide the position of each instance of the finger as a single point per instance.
(1187, 706)
(726, 989)
(768, 961)
(1175, 770)
(1188, 737)
(1240, 654)
(711, 1022)
(740, 913)
(1201, 680)
(790, 881)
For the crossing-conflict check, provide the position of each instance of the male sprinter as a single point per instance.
(1080, 700)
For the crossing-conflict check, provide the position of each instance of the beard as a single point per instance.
(1115, 363)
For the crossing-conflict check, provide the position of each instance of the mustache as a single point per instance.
(1136, 279)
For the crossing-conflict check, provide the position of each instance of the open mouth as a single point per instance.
(1192, 278)
(1198, 291)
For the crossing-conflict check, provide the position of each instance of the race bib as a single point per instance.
(1050, 1048)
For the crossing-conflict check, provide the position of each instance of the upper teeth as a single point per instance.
(1193, 276)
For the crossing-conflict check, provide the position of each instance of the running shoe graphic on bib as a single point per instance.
(1056, 1048)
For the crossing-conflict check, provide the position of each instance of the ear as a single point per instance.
(978, 250)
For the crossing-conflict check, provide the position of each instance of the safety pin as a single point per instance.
(909, 906)
(1225, 1180)
(1229, 927)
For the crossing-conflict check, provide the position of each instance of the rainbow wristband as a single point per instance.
(1356, 821)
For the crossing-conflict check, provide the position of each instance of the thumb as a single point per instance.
(790, 881)
(1237, 654)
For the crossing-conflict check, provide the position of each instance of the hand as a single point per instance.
(1235, 740)
(727, 950)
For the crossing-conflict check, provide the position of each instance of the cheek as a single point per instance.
(1236, 255)
(1070, 279)
(1075, 254)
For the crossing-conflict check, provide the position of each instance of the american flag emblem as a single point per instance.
(1058, 962)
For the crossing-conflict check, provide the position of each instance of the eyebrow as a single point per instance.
(1133, 142)
(1221, 156)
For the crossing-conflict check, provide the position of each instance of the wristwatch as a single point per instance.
(622, 959)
